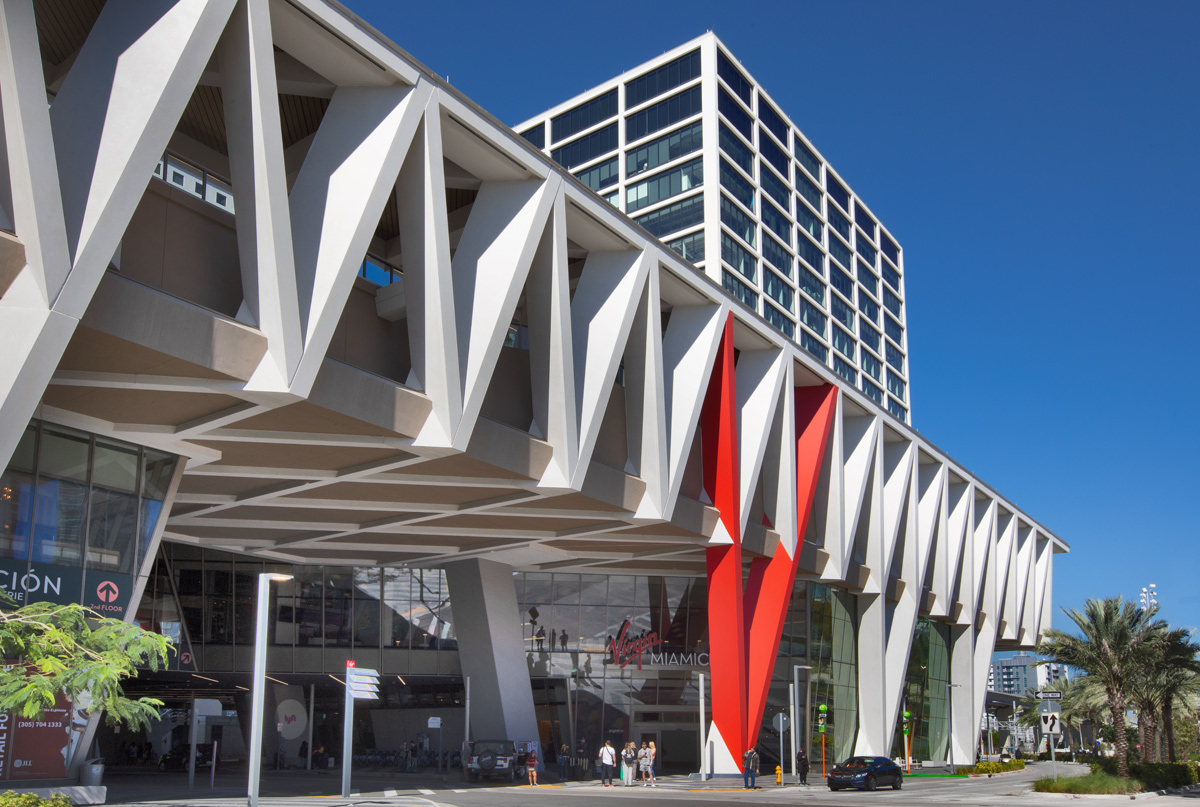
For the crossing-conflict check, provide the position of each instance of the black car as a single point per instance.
(865, 773)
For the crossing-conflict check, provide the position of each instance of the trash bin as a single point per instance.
(92, 772)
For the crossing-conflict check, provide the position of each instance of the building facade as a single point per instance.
(1021, 673)
(774, 223)
(314, 311)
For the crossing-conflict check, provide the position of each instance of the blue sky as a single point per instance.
(1038, 162)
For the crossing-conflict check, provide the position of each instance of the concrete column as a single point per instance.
(491, 649)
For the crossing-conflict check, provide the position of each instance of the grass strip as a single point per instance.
(1094, 784)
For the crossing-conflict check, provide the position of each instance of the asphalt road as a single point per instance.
(299, 790)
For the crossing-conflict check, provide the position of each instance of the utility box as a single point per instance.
(91, 772)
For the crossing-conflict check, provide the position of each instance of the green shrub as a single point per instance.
(1156, 775)
(11, 798)
(1097, 783)
(993, 767)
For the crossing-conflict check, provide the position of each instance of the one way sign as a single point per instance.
(1051, 724)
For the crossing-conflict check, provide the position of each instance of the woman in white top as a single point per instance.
(653, 755)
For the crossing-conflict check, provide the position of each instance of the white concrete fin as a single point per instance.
(905, 609)
(689, 349)
(1025, 588)
(111, 120)
(428, 288)
(645, 403)
(930, 483)
(1043, 551)
(958, 568)
(860, 437)
(779, 471)
(1006, 567)
(490, 267)
(31, 187)
(897, 475)
(601, 318)
(548, 307)
(1046, 585)
(759, 375)
(256, 167)
(718, 754)
(338, 198)
(829, 508)
(872, 739)
(983, 541)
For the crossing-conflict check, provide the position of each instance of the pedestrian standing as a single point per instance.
(564, 762)
(802, 766)
(749, 768)
(628, 763)
(643, 759)
(653, 762)
(608, 761)
(531, 763)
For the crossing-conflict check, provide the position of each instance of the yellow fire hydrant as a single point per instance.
(778, 774)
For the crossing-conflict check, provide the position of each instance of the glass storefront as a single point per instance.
(77, 512)
(397, 618)
(925, 693)
(835, 671)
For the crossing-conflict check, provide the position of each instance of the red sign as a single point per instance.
(625, 649)
(36, 749)
(107, 591)
(350, 664)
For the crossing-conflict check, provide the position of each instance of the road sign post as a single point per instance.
(1051, 728)
(361, 684)
(781, 722)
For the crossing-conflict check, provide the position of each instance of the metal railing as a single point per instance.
(195, 181)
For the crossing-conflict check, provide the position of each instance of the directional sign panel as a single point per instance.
(363, 683)
(1051, 722)
(1049, 695)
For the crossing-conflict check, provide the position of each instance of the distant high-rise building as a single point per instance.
(1021, 673)
(693, 149)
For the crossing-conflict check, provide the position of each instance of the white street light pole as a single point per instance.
(950, 719)
(259, 698)
(1149, 597)
(796, 740)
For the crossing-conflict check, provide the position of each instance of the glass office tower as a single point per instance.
(695, 151)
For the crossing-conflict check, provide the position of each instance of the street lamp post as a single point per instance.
(258, 699)
(796, 740)
(950, 720)
(1149, 597)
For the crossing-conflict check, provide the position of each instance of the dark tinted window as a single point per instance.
(891, 277)
(673, 218)
(863, 219)
(664, 149)
(774, 188)
(775, 221)
(734, 78)
(837, 192)
(734, 113)
(810, 192)
(809, 160)
(774, 154)
(731, 145)
(772, 120)
(600, 176)
(733, 182)
(536, 135)
(811, 254)
(584, 116)
(889, 248)
(839, 223)
(587, 148)
(662, 114)
(665, 78)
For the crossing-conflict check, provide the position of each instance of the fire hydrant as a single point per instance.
(778, 774)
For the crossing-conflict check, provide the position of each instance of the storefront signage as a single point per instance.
(36, 749)
(625, 648)
(106, 593)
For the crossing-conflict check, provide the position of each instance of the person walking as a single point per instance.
(749, 768)
(564, 762)
(608, 761)
(531, 763)
(653, 762)
(643, 759)
(628, 763)
(802, 766)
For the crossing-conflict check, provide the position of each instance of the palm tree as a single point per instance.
(1118, 637)
(1172, 674)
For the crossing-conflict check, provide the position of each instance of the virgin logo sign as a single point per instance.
(626, 648)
